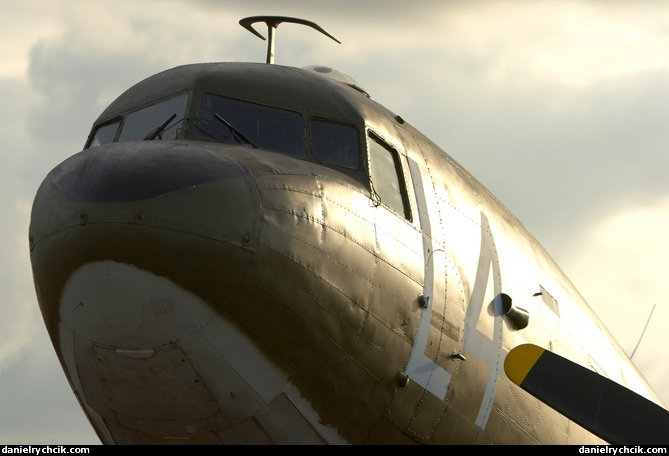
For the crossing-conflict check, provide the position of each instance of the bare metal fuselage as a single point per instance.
(207, 292)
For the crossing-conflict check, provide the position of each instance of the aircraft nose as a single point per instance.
(125, 237)
(137, 250)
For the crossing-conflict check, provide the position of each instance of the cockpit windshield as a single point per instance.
(335, 144)
(158, 121)
(233, 121)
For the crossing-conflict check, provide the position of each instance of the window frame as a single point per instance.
(399, 173)
(354, 129)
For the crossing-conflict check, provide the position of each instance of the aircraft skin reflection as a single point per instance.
(254, 253)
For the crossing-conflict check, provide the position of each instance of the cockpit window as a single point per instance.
(234, 121)
(386, 176)
(335, 144)
(162, 120)
(105, 134)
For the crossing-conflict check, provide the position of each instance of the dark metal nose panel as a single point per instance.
(135, 171)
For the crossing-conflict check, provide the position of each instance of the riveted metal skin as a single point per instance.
(206, 292)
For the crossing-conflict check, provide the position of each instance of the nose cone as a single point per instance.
(135, 248)
(123, 236)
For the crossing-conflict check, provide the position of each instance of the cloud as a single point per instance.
(24, 24)
(558, 107)
(619, 267)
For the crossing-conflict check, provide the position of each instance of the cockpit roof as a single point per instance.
(316, 90)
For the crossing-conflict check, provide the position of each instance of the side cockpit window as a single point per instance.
(386, 176)
(335, 144)
(105, 134)
(238, 122)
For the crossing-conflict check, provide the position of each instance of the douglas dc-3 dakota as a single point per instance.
(252, 253)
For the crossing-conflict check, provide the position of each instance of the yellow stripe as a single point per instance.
(520, 361)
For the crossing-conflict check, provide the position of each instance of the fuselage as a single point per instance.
(254, 253)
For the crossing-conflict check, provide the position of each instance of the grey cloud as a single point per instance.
(39, 408)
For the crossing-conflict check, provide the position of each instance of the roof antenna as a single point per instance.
(272, 23)
(644, 330)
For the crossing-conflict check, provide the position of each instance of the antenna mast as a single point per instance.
(272, 23)
(644, 330)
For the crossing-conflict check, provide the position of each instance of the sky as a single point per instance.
(558, 107)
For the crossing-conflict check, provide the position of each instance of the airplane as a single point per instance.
(253, 253)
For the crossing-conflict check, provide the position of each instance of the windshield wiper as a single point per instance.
(160, 129)
(235, 132)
